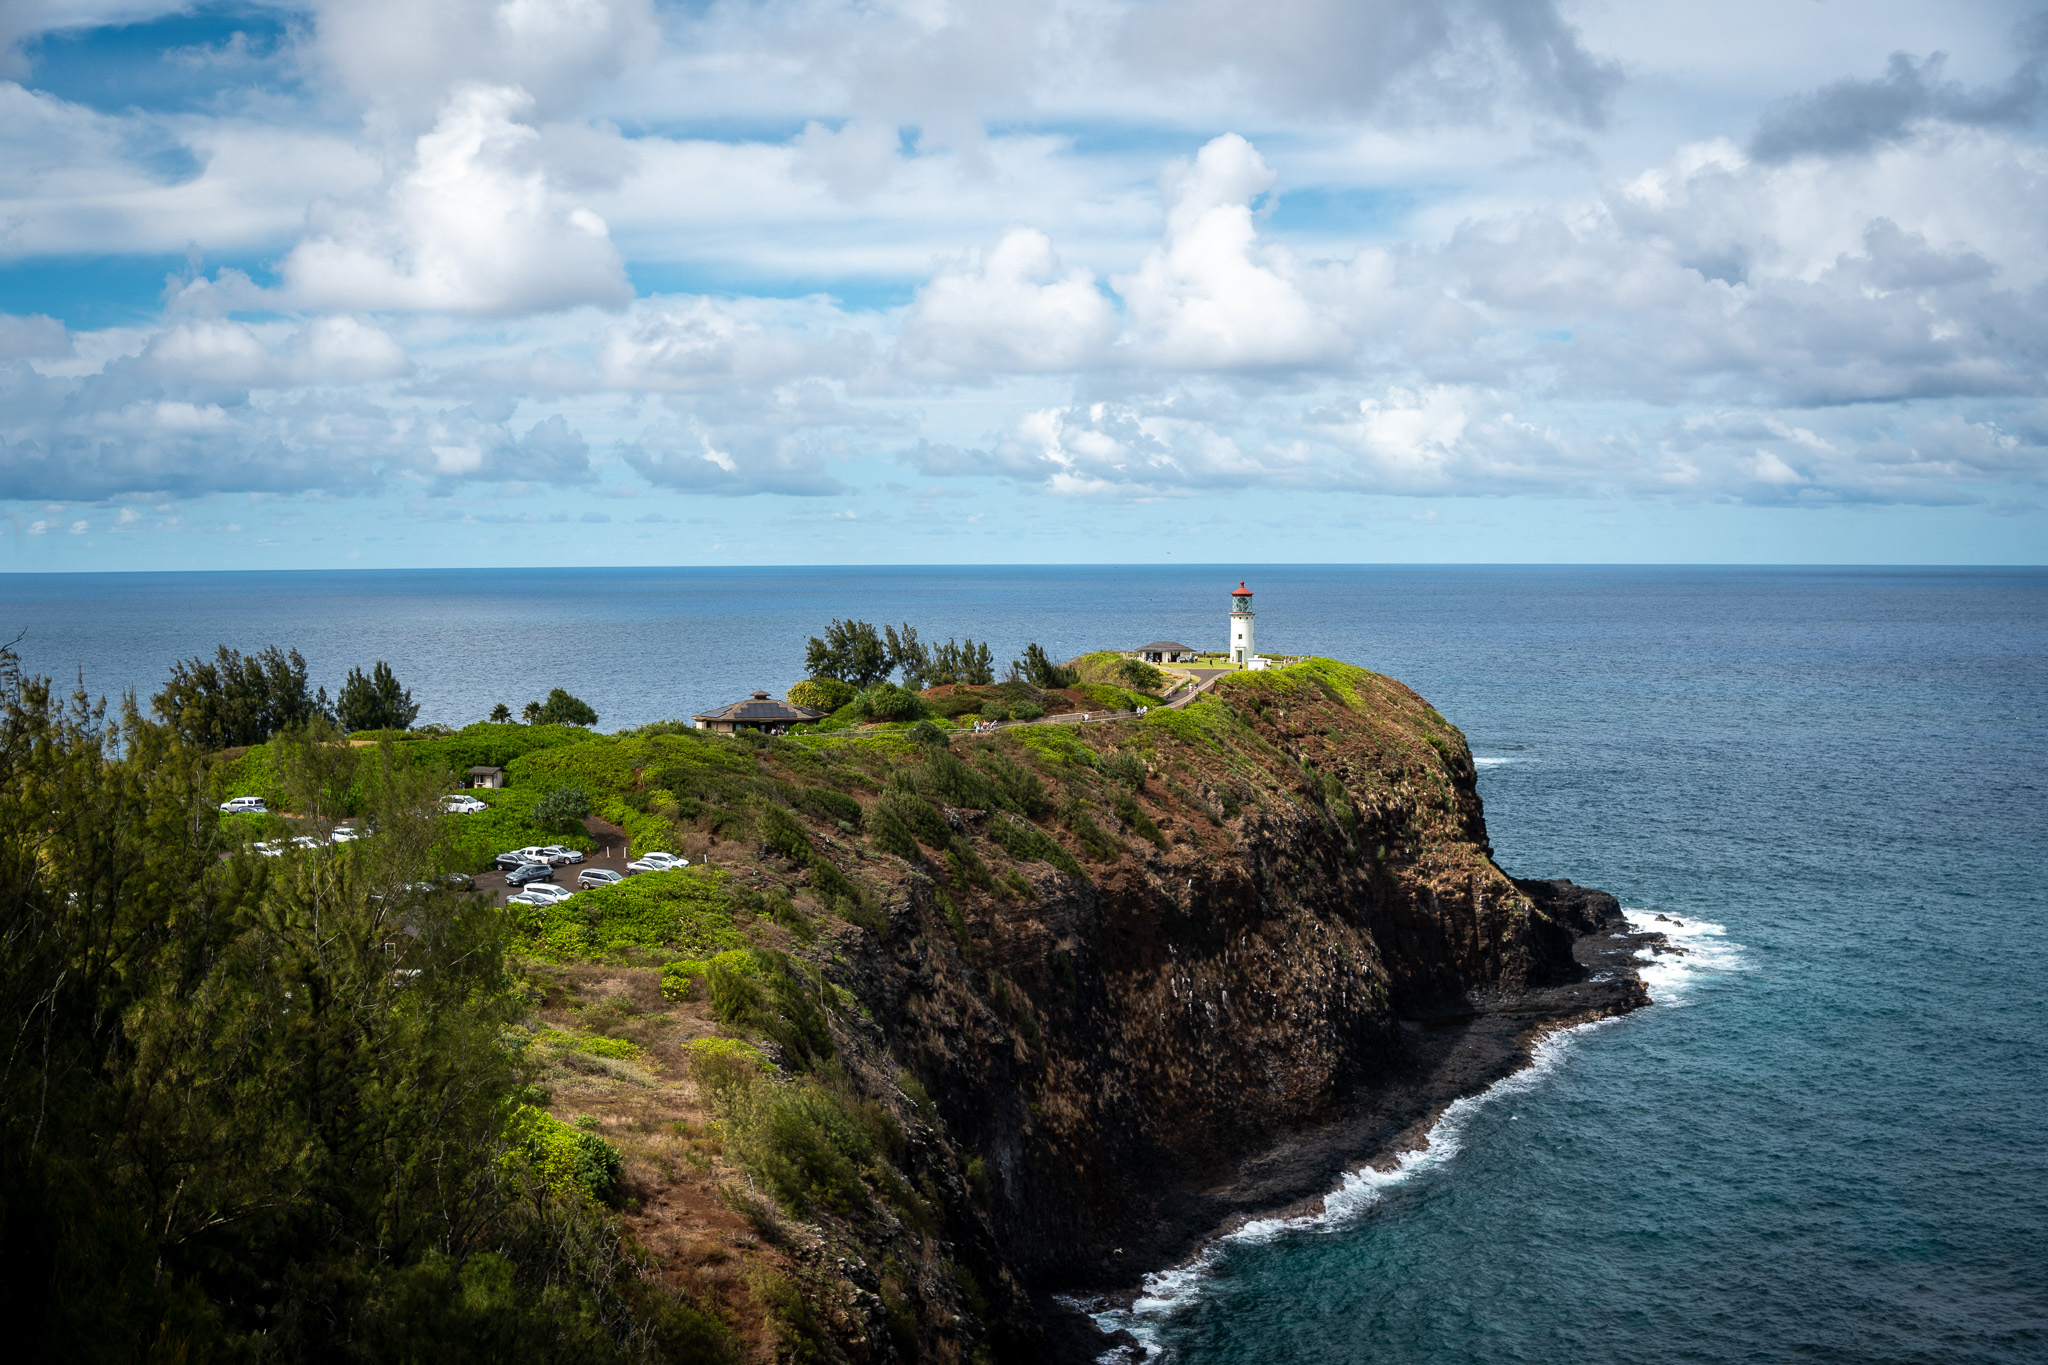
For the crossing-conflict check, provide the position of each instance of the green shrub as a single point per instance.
(760, 990)
(950, 782)
(1094, 841)
(1141, 675)
(821, 694)
(955, 705)
(995, 710)
(807, 1143)
(886, 701)
(1029, 843)
(683, 979)
(596, 1045)
(562, 809)
(572, 1165)
(917, 815)
(724, 1065)
(1125, 767)
(1026, 710)
(928, 733)
(1128, 810)
(689, 908)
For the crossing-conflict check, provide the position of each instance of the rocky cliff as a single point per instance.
(1095, 991)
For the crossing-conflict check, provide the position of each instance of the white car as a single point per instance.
(245, 805)
(541, 893)
(557, 854)
(598, 876)
(656, 862)
(270, 848)
(306, 841)
(461, 805)
(344, 834)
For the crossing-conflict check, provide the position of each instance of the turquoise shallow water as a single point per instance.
(1825, 1142)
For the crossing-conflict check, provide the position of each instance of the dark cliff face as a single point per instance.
(1118, 1049)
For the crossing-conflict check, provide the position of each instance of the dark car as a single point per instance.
(458, 881)
(505, 862)
(529, 872)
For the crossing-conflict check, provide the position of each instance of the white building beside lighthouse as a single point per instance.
(1242, 652)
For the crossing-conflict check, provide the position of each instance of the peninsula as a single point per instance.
(922, 1028)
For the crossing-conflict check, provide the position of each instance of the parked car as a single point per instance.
(245, 805)
(459, 804)
(457, 881)
(306, 841)
(271, 848)
(344, 834)
(529, 872)
(530, 854)
(598, 876)
(541, 893)
(656, 862)
(558, 854)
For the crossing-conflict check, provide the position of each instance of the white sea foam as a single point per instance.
(1672, 977)
(1166, 1292)
(1479, 762)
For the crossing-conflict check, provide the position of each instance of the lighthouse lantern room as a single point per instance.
(1241, 650)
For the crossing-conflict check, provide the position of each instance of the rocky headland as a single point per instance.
(1023, 1016)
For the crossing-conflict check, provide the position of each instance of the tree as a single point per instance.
(821, 694)
(907, 655)
(852, 652)
(1035, 667)
(501, 714)
(562, 809)
(562, 709)
(966, 663)
(375, 702)
(255, 1108)
(234, 700)
(530, 713)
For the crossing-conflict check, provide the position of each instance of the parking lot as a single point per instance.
(611, 854)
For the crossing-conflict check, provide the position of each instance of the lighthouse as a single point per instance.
(1241, 651)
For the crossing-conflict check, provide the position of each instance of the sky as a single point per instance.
(389, 283)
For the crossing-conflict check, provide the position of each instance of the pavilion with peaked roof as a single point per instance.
(758, 712)
(1165, 652)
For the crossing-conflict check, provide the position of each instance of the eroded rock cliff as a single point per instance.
(1041, 1009)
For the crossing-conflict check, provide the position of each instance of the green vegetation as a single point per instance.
(560, 708)
(851, 652)
(262, 1108)
(1039, 670)
(234, 700)
(375, 701)
(562, 810)
(822, 694)
(886, 701)
(689, 909)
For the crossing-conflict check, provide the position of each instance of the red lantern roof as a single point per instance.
(1242, 590)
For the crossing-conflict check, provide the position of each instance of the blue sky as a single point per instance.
(386, 283)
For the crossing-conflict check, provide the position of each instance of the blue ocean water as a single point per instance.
(1827, 1141)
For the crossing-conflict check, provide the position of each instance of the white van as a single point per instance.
(245, 805)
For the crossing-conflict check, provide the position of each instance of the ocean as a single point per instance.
(1827, 1140)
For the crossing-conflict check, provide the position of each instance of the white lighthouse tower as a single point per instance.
(1241, 651)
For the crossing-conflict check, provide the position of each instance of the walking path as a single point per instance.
(1205, 678)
